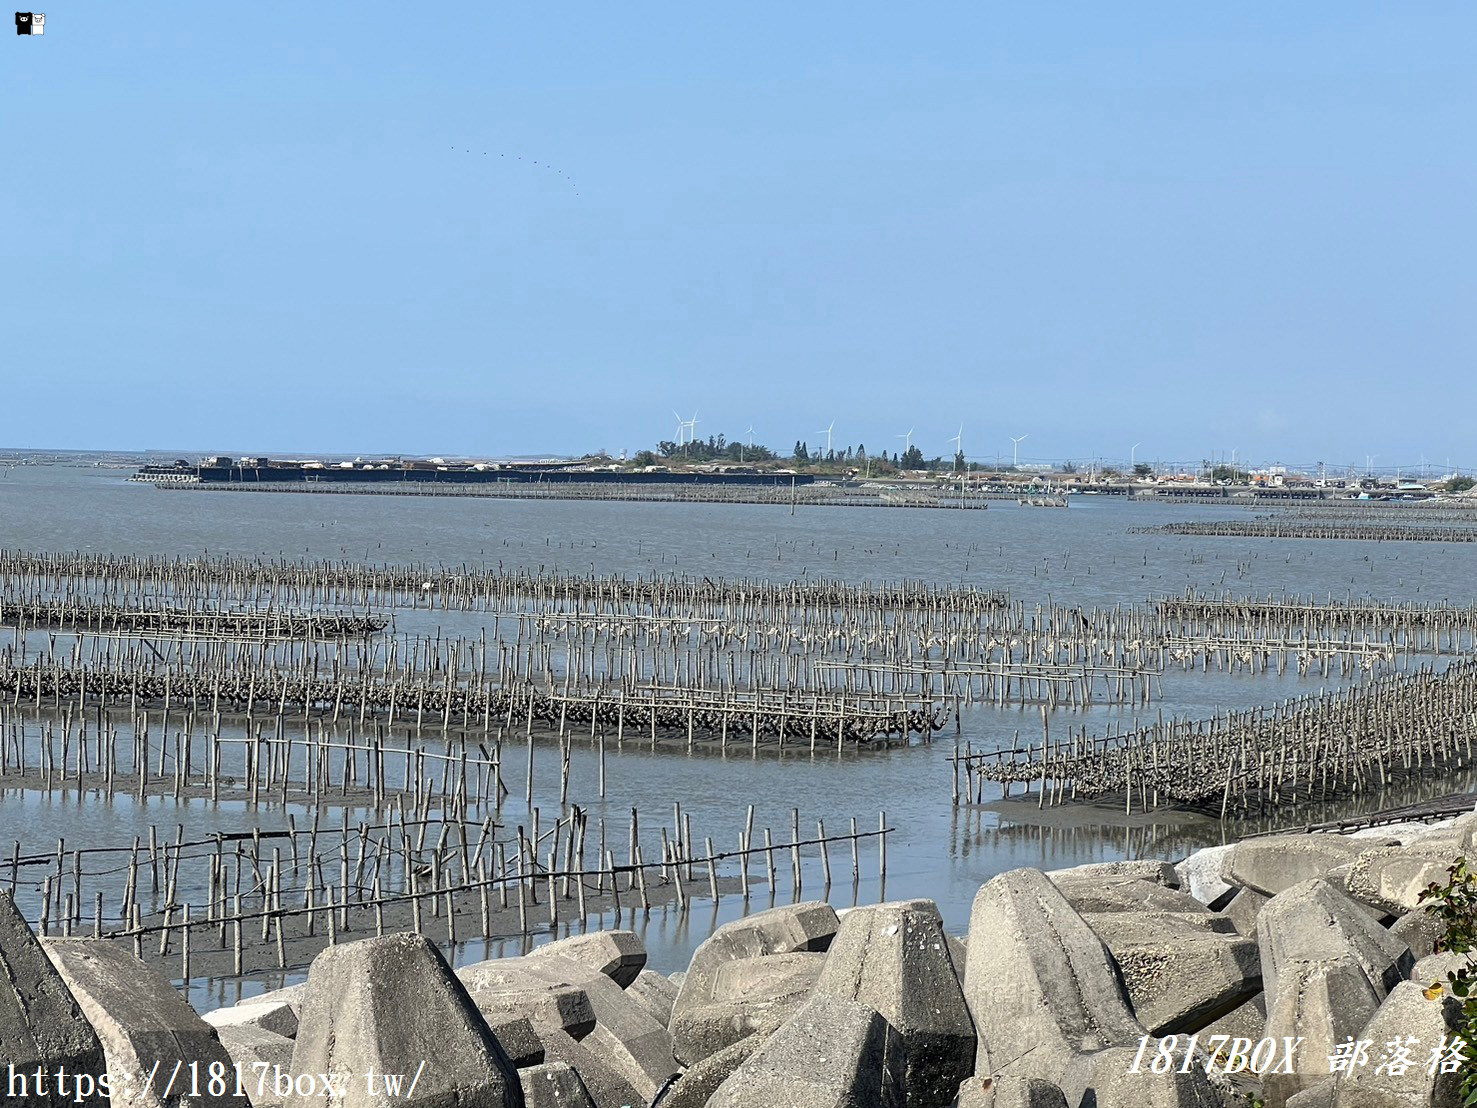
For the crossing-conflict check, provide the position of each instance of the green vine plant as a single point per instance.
(1455, 906)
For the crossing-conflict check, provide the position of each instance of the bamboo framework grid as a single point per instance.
(1312, 746)
(270, 899)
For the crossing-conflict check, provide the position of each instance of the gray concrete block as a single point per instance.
(1041, 985)
(520, 1042)
(794, 929)
(959, 955)
(1148, 869)
(41, 1023)
(618, 955)
(895, 958)
(722, 1004)
(1435, 968)
(138, 1015)
(554, 1085)
(1243, 909)
(698, 1029)
(1314, 922)
(277, 1017)
(1205, 874)
(1323, 1002)
(1392, 878)
(606, 1086)
(1405, 1012)
(637, 1045)
(502, 987)
(1408, 831)
(1009, 1092)
(291, 995)
(1273, 863)
(1320, 1095)
(251, 1048)
(1179, 975)
(1091, 897)
(390, 1004)
(1113, 1086)
(698, 1084)
(655, 993)
(1245, 1022)
(1420, 930)
(831, 1054)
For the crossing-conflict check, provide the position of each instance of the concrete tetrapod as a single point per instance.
(1112, 1084)
(277, 1017)
(1009, 1092)
(1148, 869)
(1204, 874)
(1391, 878)
(391, 1005)
(261, 1055)
(632, 1041)
(507, 987)
(41, 1024)
(618, 955)
(554, 1085)
(697, 1085)
(140, 1019)
(1314, 921)
(736, 985)
(1099, 896)
(1242, 910)
(606, 1086)
(520, 1042)
(895, 958)
(656, 993)
(1319, 1004)
(1041, 986)
(1273, 863)
(1420, 930)
(832, 1053)
(1181, 974)
(1405, 1015)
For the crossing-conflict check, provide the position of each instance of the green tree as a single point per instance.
(1142, 469)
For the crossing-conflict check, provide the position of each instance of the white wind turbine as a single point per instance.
(1015, 456)
(907, 439)
(750, 433)
(827, 432)
(681, 426)
(958, 440)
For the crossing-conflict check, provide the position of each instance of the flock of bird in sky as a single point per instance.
(540, 165)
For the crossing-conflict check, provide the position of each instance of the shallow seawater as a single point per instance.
(1083, 556)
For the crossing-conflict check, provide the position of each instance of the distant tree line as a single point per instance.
(718, 448)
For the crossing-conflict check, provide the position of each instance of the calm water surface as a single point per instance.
(1082, 556)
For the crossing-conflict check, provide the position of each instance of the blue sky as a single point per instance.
(1201, 228)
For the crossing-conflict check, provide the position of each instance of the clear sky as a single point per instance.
(493, 229)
